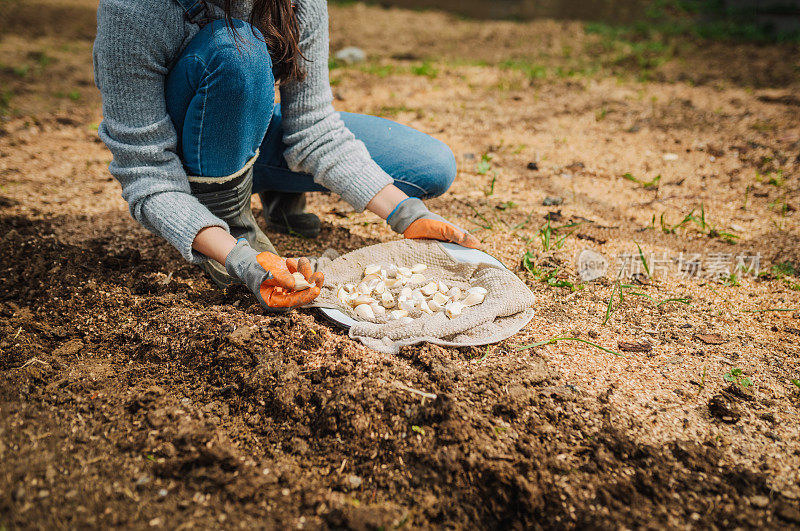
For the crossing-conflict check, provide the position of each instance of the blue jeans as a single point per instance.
(220, 95)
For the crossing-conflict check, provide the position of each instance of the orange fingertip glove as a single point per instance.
(412, 219)
(270, 277)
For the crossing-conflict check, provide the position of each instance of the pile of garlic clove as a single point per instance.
(393, 293)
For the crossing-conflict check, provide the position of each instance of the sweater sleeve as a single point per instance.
(318, 141)
(130, 68)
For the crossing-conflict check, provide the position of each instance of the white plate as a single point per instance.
(459, 254)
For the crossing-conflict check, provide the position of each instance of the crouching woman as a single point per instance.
(190, 116)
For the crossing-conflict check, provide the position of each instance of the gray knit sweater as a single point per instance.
(137, 43)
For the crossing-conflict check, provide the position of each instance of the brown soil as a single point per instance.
(135, 394)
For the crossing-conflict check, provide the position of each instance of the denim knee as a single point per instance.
(241, 61)
(442, 172)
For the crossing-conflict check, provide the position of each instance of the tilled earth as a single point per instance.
(135, 394)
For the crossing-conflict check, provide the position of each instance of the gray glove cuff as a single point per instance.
(241, 263)
(406, 213)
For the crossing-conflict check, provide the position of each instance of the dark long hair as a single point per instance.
(277, 21)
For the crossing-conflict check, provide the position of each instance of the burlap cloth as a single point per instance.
(505, 310)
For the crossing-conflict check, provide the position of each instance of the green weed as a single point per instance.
(530, 70)
(737, 377)
(645, 184)
(731, 280)
(549, 235)
(425, 69)
(484, 165)
(490, 191)
(417, 429)
(642, 258)
(5, 101)
(549, 277)
(701, 225)
(777, 179)
(487, 225)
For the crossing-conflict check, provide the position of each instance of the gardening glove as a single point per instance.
(412, 219)
(270, 278)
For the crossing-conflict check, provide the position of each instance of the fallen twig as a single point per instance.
(423, 394)
(31, 362)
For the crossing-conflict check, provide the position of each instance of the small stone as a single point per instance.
(469, 156)
(710, 339)
(634, 346)
(552, 201)
(351, 55)
(759, 501)
(354, 481)
(591, 265)
(533, 166)
(163, 493)
(670, 156)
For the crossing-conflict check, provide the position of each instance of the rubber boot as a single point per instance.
(285, 212)
(228, 198)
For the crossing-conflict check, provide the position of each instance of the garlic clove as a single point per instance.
(300, 282)
(406, 292)
(363, 288)
(454, 293)
(372, 269)
(478, 289)
(407, 304)
(342, 294)
(434, 306)
(393, 282)
(473, 298)
(442, 287)
(360, 299)
(440, 299)
(364, 311)
(429, 289)
(404, 271)
(391, 271)
(418, 268)
(424, 308)
(417, 295)
(453, 309)
(350, 287)
(416, 278)
(397, 314)
(387, 300)
(378, 310)
(380, 287)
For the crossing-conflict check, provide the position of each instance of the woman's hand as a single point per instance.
(270, 278)
(412, 219)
